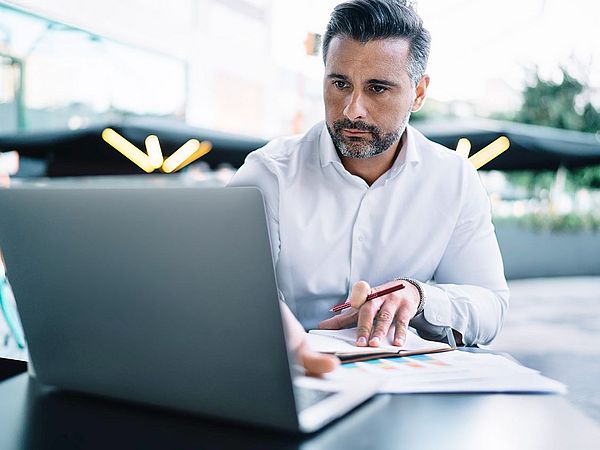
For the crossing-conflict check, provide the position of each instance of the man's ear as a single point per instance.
(421, 92)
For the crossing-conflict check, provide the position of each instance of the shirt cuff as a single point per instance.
(437, 306)
(433, 322)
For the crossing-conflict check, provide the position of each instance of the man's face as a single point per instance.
(368, 95)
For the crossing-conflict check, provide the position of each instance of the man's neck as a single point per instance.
(370, 169)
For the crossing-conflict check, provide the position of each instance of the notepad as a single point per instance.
(342, 344)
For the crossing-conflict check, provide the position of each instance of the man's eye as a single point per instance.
(340, 84)
(378, 89)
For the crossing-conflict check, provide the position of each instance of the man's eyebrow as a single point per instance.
(339, 76)
(382, 82)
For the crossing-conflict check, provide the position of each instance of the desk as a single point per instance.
(35, 417)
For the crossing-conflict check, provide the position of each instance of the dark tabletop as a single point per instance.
(36, 417)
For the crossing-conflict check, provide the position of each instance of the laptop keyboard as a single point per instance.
(306, 398)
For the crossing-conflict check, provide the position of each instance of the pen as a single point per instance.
(371, 296)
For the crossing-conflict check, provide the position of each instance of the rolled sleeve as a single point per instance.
(256, 172)
(470, 293)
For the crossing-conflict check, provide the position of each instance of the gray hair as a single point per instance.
(367, 20)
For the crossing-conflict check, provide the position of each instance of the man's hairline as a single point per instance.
(414, 83)
(410, 58)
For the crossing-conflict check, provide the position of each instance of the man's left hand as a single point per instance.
(373, 318)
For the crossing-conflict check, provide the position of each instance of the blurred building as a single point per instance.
(231, 65)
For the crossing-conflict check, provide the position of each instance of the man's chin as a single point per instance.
(356, 153)
(356, 145)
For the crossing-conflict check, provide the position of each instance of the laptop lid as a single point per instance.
(165, 296)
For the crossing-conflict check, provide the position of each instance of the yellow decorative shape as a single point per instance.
(489, 152)
(130, 151)
(186, 154)
(203, 149)
(154, 151)
(463, 147)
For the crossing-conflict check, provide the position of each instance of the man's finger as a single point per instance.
(385, 318)
(403, 316)
(366, 315)
(340, 321)
(316, 363)
(359, 293)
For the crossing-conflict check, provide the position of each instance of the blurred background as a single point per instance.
(240, 72)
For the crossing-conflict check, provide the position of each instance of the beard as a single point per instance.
(359, 147)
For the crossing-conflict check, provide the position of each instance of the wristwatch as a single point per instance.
(416, 284)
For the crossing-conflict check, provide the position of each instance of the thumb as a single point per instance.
(316, 363)
(359, 293)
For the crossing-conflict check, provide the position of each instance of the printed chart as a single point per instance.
(454, 371)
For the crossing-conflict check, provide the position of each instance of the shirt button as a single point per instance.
(361, 238)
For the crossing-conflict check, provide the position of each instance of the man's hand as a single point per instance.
(313, 362)
(373, 318)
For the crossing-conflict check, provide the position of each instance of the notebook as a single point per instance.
(341, 343)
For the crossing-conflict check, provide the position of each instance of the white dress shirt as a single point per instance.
(427, 218)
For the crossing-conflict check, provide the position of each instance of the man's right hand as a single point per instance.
(313, 362)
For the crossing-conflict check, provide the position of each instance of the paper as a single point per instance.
(455, 371)
(343, 342)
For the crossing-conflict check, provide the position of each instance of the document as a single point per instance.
(421, 366)
(342, 344)
(457, 371)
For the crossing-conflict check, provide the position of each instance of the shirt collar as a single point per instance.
(408, 150)
(328, 154)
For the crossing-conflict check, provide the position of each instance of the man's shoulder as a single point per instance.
(431, 149)
(282, 149)
(435, 155)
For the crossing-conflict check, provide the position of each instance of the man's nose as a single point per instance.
(355, 109)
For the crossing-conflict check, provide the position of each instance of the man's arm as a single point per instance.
(470, 295)
(256, 173)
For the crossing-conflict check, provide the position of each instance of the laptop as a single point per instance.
(158, 295)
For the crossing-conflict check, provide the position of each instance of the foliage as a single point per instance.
(535, 182)
(571, 222)
(532, 182)
(559, 105)
(586, 177)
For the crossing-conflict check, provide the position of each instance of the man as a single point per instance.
(364, 199)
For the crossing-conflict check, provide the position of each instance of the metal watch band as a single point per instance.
(416, 284)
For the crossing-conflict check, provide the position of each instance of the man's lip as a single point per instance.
(354, 131)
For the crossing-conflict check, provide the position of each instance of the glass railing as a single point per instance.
(57, 76)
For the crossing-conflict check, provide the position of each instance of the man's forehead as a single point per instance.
(375, 58)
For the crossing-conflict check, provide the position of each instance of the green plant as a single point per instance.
(559, 104)
(571, 222)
